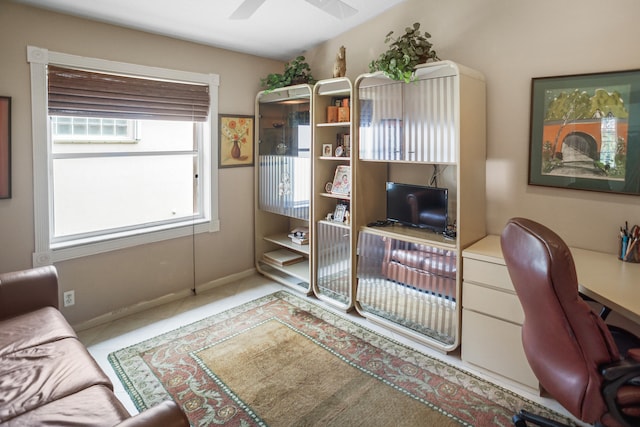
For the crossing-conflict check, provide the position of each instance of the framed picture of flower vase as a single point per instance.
(236, 140)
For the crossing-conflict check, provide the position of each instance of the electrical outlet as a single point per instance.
(69, 298)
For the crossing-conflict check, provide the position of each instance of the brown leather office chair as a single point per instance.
(569, 347)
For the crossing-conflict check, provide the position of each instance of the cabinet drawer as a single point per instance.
(495, 303)
(496, 346)
(487, 273)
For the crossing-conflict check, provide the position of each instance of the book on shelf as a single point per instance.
(282, 257)
(299, 240)
(299, 235)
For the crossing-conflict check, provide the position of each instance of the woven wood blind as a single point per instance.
(90, 94)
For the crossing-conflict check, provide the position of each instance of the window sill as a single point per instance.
(87, 247)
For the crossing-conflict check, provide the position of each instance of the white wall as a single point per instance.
(510, 42)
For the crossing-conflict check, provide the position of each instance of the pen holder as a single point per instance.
(629, 250)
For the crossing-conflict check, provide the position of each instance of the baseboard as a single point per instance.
(165, 299)
(225, 280)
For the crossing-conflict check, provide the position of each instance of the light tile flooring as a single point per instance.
(104, 339)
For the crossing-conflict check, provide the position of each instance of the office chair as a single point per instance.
(568, 346)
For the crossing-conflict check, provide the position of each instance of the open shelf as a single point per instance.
(295, 275)
(415, 235)
(284, 241)
(334, 124)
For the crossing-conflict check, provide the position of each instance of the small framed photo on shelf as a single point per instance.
(342, 180)
(327, 150)
(339, 213)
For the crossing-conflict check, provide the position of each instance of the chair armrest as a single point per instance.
(28, 290)
(621, 380)
(166, 414)
(623, 368)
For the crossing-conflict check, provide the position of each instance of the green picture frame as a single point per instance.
(584, 132)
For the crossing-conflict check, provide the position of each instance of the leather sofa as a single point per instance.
(47, 377)
(421, 267)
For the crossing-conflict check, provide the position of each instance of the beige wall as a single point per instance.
(511, 41)
(108, 282)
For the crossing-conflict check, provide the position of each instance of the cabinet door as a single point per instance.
(410, 283)
(334, 262)
(381, 131)
(284, 157)
(285, 185)
(410, 122)
(497, 346)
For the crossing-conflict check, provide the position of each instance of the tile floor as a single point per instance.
(104, 339)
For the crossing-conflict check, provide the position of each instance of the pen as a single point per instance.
(633, 243)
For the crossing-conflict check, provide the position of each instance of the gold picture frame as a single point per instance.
(236, 140)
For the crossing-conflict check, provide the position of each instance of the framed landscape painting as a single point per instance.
(584, 132)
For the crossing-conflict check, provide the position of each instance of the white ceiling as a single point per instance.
(279, 29)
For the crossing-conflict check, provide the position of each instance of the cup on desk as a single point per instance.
(629, 249)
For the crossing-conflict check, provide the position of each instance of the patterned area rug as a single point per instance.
(284, 360)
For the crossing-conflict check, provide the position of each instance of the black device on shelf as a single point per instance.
(418, 206)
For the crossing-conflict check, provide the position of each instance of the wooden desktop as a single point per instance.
(609, 281)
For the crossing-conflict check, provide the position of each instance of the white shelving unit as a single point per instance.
(283, 181)
(409, 133)
(333, 254)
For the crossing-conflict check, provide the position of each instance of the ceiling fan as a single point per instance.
(336, 8)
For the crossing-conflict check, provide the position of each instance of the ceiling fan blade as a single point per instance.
(337, 8)
(246, 9)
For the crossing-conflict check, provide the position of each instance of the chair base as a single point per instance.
(522, 418)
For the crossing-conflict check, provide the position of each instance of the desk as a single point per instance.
(609, 281)
(602, 276)
(492, 315)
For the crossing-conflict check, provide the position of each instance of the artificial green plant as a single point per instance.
(295, 72)
(404, 53)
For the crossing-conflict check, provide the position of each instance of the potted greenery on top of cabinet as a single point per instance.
(295, 72)
(410, 49)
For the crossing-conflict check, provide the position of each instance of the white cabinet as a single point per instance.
(492, 315)
(283, 184)
(429, 132)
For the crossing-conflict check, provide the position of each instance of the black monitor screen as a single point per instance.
(417, 206)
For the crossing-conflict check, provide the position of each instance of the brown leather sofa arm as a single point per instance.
(28, 290)
(166, 414)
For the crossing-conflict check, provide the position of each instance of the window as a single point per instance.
(122, 154)
(92, 130)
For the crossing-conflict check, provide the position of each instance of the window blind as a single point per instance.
(89, 94)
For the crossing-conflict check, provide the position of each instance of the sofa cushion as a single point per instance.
(34, 328)
(429, 262)
(38, 375)
(94, 406)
